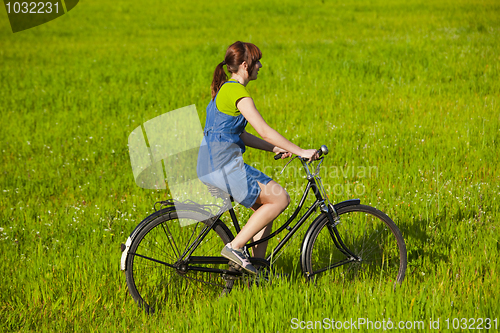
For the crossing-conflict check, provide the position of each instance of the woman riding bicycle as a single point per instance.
(220, 161)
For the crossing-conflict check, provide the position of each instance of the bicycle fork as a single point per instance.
(333, 221)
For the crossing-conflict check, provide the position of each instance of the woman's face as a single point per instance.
(255, 72)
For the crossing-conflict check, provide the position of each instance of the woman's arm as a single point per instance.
(270, 136)
(251, 140)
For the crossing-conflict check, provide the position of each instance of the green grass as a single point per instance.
(406, 89)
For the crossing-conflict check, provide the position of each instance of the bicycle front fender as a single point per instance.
(350, 202)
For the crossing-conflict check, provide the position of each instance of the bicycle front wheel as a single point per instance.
(156, 274)
(367, 233)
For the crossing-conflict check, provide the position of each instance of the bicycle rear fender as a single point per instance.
(125, 247)
(312, 226)
(177, 207)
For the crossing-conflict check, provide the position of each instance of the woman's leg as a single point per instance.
(259, 250)
(273, 199)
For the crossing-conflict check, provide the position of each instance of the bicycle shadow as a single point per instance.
(422, 234)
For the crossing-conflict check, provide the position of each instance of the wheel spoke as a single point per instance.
(171, 240)
(188, 242)
(152, 259)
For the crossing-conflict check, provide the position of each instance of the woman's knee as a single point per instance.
(286, 197)
(275, 193)
(283, 198)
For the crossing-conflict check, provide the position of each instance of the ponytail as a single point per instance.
(235, 55)
(220, 77)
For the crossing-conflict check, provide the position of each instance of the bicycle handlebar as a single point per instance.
(278, 156)
(321, 151)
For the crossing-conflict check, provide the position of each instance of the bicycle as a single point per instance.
(175, 252)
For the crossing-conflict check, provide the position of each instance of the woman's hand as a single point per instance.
(310, 154)
(278, 150)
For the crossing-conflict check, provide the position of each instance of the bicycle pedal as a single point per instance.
(228, 277)
(235, 266)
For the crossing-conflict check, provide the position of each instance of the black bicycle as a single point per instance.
(173, 255)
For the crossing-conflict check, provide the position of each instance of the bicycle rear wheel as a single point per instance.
(369, 234)
(155, 274)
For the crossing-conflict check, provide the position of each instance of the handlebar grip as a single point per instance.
(322, 151)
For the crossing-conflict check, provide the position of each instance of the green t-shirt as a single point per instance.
(228, 95)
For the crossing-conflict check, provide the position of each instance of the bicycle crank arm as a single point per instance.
(207, 260)
(223, 261)
(213, 270)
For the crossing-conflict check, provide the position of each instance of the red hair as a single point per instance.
(236, 54)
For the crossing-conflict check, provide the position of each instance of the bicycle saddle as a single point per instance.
(216, 192)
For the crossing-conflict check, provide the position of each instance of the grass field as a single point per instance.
(406, 91)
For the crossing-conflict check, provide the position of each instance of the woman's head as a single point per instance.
(236, 54)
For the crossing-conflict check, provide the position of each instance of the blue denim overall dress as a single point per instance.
(220, 160)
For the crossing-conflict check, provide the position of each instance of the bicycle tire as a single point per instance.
(367, 232)
(153, 284)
